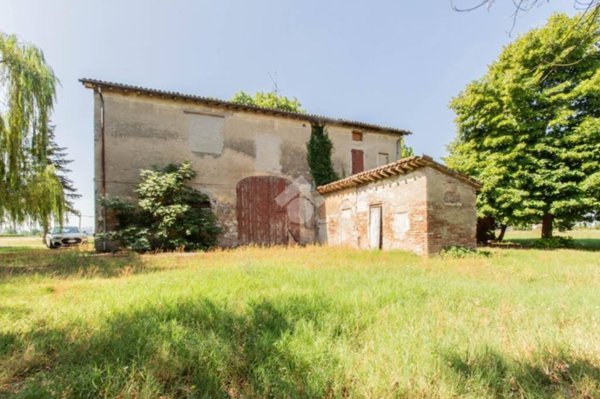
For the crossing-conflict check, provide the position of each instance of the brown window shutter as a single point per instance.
(358, 161)
(357, 136)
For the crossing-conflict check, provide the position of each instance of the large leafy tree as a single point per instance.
(530, 128)
(523, 6)
(270, 100)
(29, 186)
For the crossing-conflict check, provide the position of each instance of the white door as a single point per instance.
(375, 227)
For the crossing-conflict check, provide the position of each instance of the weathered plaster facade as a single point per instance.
(424, 208)
(139, 128)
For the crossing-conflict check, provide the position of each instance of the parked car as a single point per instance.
(65, 236)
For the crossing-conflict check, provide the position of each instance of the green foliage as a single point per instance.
(169, 215)
(459, 252)
(529, 130)
(270, 100)
(319, 156)
(44, 197)
(405, 151)
(29, 186)
(58, 157)
(553, 243)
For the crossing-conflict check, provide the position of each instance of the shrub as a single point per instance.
(553, 243)
(169, 214)
(459, 252)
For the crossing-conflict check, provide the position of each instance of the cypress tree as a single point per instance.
(319, 156)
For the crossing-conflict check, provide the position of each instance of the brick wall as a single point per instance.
(452, 216)
(404, 213)
(422, 211)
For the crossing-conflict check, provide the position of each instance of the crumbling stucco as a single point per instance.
(224, 147)
(418, 213)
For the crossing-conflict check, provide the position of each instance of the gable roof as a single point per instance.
(124, 88)
(400, 167)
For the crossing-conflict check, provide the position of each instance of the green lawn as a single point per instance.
(10, 244)
(299, 322)
(584, 238)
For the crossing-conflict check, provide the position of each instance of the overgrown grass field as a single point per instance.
(299, 322)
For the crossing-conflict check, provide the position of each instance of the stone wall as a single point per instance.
(224, 147)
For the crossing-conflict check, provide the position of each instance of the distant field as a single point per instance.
(19, 243)
(578, 233)
(299, 322)
(27, 243)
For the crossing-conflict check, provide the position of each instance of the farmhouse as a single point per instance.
(251, 161)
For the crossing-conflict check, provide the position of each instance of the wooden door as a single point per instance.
(375, 229)
(261, 220)
(358, 161)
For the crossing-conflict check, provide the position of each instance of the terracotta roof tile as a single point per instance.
(400, 167)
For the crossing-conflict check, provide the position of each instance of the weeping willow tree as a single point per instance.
(30, 189)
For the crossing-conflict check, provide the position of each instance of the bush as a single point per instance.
(169, 215)
(459, 252)
(553, 243)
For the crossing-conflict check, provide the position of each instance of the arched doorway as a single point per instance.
(262, 217)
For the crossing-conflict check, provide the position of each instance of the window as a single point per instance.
(358, 161)
(357, 136)
(205, 133)
(383, 158)
(268, 153)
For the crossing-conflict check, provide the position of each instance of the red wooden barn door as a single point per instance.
(261, 220)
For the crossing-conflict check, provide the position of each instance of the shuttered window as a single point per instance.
(357, 136)
(358, 161)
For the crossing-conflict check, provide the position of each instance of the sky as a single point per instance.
(396, 63)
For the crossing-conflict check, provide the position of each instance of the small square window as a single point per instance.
(383, 158)
(357, 136)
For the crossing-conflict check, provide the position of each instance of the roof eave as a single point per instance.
(400, 167)
(95, 84)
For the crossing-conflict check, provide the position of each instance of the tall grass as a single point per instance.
(300, 322)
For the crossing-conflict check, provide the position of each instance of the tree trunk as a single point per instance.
(502, 232)
(547, 225)
(44, 232)
(485, 230)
